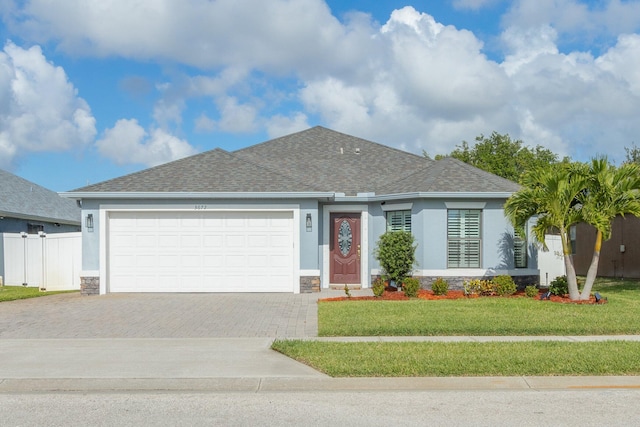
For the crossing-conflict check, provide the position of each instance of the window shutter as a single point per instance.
(463, 231)
(399, 221)
(519, 252)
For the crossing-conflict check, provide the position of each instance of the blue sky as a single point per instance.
(92, 89)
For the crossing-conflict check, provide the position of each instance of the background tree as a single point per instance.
(501, 155)
(633, 154)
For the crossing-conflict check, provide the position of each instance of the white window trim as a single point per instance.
(465, 205)
(397, 207)
(386, 219)
(480, 239)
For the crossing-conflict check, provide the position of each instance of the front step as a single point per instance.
(352, 287)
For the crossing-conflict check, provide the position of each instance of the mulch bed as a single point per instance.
(429, 295)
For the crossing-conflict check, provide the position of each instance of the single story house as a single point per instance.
(294, 214)
(29, 208)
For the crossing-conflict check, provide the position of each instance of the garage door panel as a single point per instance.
(213, 241)
(209, 251)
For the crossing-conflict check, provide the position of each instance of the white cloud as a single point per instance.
(623, 61)
(574, 103)
(39, 108)
(273, 34)
(236, 117)
(128, 142)
(580, 19)
(280, 125)
(204, 124)
(411, 82)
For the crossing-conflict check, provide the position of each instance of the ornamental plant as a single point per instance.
(531, 291)
(396, 252)
(440, 286)
(378, 287)
(479, 287)
(504, 285)
(411, 286)
(559, 286)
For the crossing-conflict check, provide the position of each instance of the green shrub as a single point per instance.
(559, 286)
(440, 286)
(479, 287)
(396, 252)
(531, 291)
(504, 285)
(378, 287)
(347, 292)
(411, 286)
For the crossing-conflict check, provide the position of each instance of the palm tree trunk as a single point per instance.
(572, 281)
(593, 268)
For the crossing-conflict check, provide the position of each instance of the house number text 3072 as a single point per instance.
(200, 207)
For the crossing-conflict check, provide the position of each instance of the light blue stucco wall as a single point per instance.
(429, 226)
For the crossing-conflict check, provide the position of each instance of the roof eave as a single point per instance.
(424, 195)
(28, 217)
(77, 195)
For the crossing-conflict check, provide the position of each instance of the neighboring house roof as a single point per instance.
(315, 160)
(23, 199)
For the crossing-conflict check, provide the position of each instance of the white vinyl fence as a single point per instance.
(51, 261)
(551, 262)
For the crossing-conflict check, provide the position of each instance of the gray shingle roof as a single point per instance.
(20, 198)
(450, 175)
(333, 161)
(212, 171)
(314, 160)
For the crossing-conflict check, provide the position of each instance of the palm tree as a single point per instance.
(551, 195)
(610, 192)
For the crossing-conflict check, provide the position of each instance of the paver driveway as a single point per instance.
(161, 316)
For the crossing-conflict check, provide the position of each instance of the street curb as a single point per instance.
(267, 385)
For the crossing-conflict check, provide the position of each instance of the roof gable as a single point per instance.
(334, 161)
(20, 198)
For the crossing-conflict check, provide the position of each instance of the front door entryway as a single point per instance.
(344, 249)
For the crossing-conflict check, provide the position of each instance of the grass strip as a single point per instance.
(429, 359)
(485, 316)
(11, 293)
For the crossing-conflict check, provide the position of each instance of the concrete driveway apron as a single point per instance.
(152, 336)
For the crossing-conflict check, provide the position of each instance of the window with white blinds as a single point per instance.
(519, 252)
(399, 221)
(463, 238)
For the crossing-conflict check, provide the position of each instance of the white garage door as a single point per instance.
(201, 251)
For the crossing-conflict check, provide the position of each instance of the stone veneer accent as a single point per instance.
(309, 284)
(456, 283)
(89, 285)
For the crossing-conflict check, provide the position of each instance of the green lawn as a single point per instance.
(10, 293)
(482, 316)
(411, 359)
(486, 316)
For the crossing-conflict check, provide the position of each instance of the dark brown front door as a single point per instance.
(344, 249)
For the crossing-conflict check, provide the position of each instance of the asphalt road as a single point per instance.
(617, 407)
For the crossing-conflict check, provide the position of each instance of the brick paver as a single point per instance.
(161, 316)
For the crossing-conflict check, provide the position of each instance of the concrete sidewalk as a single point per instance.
(231, 364)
